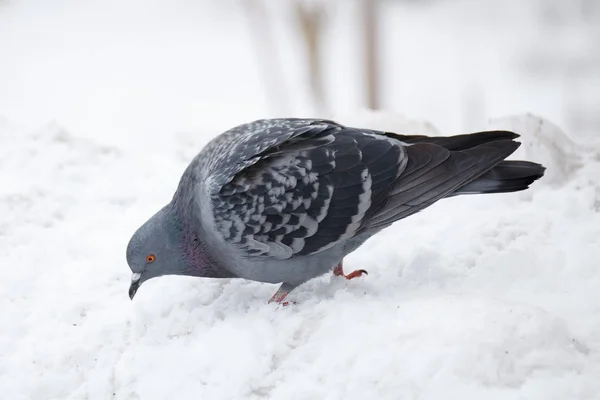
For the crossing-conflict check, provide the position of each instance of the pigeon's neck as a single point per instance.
(200, 259)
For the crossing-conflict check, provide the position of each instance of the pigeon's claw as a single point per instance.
(356, 274)
(278, 298)
(339, 271)
(281, 294)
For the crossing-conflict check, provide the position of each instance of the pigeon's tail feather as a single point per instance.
(457, 142)
(433, 172)
(507, 176)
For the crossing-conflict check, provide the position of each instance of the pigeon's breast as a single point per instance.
(295, 270)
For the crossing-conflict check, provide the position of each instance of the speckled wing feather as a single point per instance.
(305, 192)
(246, 144)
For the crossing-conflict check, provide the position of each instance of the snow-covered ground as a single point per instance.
(478, 297)
(493, 297)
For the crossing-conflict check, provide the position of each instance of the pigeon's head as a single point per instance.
(154, 250)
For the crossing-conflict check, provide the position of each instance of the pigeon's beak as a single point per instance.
(135, 284)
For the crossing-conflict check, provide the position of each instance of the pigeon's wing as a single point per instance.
(326, 183)
(307, 193)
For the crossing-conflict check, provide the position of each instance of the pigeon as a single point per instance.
(284, 200)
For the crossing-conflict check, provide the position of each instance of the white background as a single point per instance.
(103, 104)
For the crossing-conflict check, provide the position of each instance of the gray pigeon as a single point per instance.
(285, 200)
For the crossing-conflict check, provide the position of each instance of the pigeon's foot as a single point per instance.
(339, 271)
(281, 294)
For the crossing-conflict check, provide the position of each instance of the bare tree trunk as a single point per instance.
(311, 23)
(371, 52)
(268, 61)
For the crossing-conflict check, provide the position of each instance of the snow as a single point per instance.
(491, 297)
(545, 143)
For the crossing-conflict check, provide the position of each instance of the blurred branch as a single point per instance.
(267, 56)
(311, 24)
(371, 52)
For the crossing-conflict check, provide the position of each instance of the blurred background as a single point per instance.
(121, 70)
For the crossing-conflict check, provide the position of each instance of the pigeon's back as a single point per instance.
(244, 145)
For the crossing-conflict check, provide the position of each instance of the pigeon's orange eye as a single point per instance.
(150, 258)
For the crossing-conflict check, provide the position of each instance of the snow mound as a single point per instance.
(545, 143)
(491, 297)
